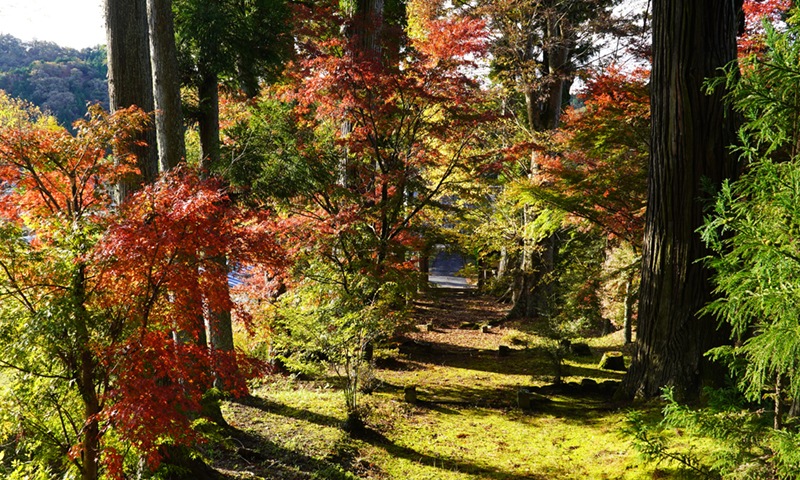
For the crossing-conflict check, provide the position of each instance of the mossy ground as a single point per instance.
(465, 426)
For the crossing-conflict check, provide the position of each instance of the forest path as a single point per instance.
(466, 424)
(444, 269)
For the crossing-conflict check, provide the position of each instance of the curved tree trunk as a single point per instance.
(129, 79)
(691, 134)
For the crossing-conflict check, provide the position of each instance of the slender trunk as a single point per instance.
(218, 321)
(628, 314)
(778, 420)
(691, 136)
(536, 290)
(166, 85)
(86, 379)
(219, 327)
(479, 269)
(91, 430)
(502, 264)
(532, 110)
(129, 79)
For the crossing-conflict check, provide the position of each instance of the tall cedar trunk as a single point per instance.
(371, 13)
(129, 79)
(218, 322)
(166, 84)
(691, 135)
(366, 28)
(532, 299)
(208, 119)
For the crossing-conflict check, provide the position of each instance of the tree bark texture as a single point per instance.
(691, 135)
(129, 79)
(166, 85)
(370, 14)
(208, 119)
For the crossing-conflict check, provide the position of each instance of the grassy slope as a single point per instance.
(466, 426)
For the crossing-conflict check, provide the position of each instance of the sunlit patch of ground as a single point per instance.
(466, 425)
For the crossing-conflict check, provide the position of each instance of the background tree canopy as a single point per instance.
(57, 79)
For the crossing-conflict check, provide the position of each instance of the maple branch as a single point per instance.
(61, 413)
(426, 200)
(17, 290)
(47, 197)
(6, 364)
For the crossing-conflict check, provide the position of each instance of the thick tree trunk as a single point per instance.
(248, 81)
(370, 12)
(166, 85)
(129, 79)
(691, 135)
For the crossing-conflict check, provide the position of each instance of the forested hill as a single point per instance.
(60, 80)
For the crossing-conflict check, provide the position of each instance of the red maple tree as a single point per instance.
(405, 114)
(751, 41)
(601, 174)
(114, 296)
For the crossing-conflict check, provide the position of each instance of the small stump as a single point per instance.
(485, 328)
(580, 349)
(613, 361)
(425, 327)
(368, 352)
(469, 326)
(410, 394)
(503, 351)
(526, 398)
(589, 386)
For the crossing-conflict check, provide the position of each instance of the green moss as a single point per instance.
(465, 426)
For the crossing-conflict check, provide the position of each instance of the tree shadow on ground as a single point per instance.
(287, 411)
(248, 451)
(530, 362)
(572, 406)
(251, 451)
(378, 440)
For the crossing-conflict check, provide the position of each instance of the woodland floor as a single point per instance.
(466, 424)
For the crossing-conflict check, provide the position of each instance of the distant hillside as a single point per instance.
(59, 80)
